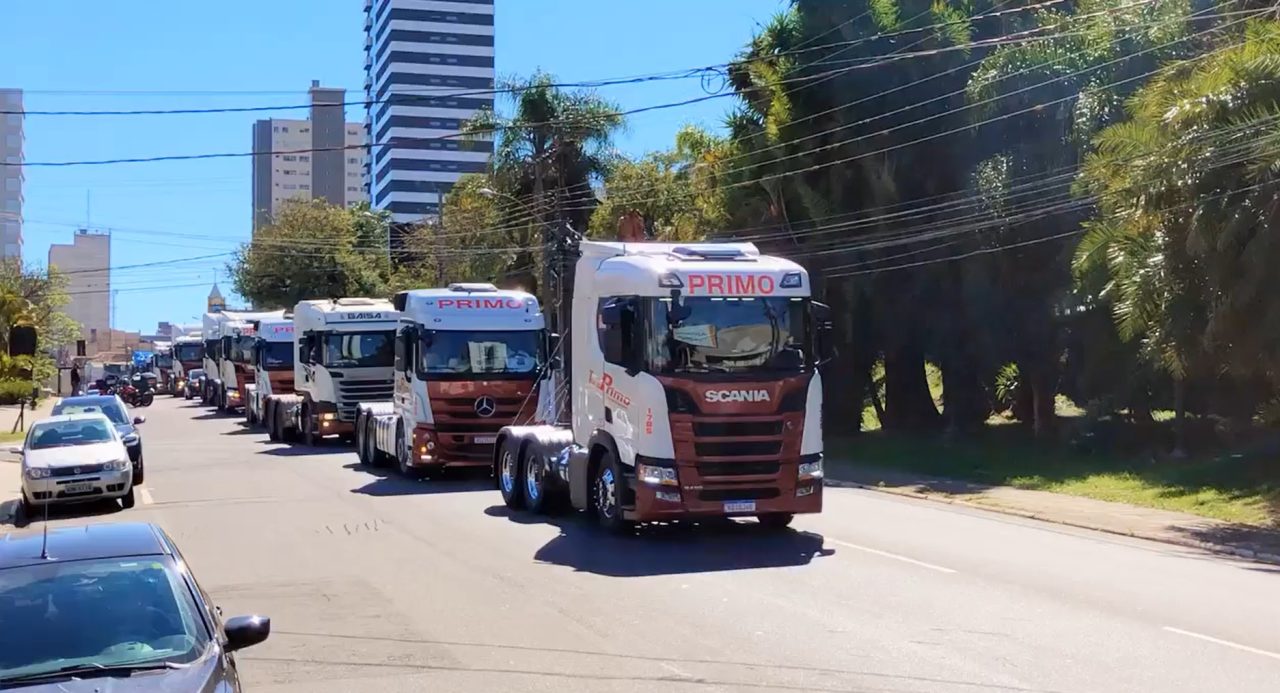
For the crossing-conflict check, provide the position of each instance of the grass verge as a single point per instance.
(1231, 488)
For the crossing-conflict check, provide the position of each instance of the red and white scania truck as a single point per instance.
(272, 360)
(468, 360)
(188, 355)
(695, 386)
(229, 338)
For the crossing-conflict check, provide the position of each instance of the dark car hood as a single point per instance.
(205, 676)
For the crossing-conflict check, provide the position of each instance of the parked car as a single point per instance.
(114, 408)
(195, 381)
(73, 458)
(107, 607)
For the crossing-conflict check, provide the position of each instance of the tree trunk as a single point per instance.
(1179, 417)
(964, 400)
(908, 403)
(844, 386)
(1043, 396)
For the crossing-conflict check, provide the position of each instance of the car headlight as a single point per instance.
(657, 476)
(328, 416)
(131, 439)
(811, 469)
(118, 465)
(38, 472)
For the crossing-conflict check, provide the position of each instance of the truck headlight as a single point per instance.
(328, 416)
(118, 465)
(810, 468)
(233, 394)
(38, 472)
(657, 476)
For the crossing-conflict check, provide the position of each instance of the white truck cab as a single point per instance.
(229, 338)
(272, 359)
(345, 353)
(695, 390)
(468, 361)
(188, 355)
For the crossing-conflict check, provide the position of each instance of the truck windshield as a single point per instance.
(242, 349)
(276, 355)
(163, 361)
(484, 352)
(188, 352)
(729, 335)
(360, 350)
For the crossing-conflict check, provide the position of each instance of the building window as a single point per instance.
(304, 186)
(290, 186)
(13, 141)
(284, 128)
(303, 130)
(290, 172)
(351, 188)
(290, 157)
(11, 184)
(304, 158)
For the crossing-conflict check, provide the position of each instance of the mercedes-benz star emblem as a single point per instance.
(486, 407)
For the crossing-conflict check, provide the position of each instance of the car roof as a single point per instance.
(88, 399)
(64, 418)
(83, 542)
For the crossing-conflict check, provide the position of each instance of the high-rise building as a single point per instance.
(11, 176)
(86, 262)
(428, 68)
(327, 159)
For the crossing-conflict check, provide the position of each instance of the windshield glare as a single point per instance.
(70, 433)
(729, 335)
(112, 410)
(483, 352)
(242, 349)
(109, 612)
(360, 350)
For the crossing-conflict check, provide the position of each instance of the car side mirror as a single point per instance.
(246, 631)
(16, 450)
(139, 420)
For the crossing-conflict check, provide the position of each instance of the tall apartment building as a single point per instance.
(11, 176)
(429, 66)
(328, 160)
(86, 262)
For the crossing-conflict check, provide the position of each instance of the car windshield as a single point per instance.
(729, 335)
(110, 408)
(107, 612)
(277, 355)
(482, 352)
(359, 349)
(188, 352)
(55, 434)
(196, 373)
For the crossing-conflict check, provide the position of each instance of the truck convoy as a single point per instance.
(468, 360)
(272, 360)
(694, 386)
(188, 355)
(345, 349)
(229, 339)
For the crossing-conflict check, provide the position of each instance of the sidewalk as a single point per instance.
(1244, 541)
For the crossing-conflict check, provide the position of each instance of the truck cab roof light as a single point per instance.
(473, 287)
(670, 281)
(708, 253)
(791, 280)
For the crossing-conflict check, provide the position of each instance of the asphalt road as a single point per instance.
(377, 583)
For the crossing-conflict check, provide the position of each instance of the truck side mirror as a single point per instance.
(823, 332)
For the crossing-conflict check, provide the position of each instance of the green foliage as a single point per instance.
(14, 390)
(37, 298)
(313, 249)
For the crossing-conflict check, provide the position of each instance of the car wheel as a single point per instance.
(25, 512)
(138, 472)
(129, 499)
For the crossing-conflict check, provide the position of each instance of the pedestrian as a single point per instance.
(75, 379)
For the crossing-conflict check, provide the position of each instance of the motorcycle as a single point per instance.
(134, 397)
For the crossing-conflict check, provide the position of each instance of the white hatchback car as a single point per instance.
(74, 458)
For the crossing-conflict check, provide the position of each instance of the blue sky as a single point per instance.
(68, 53)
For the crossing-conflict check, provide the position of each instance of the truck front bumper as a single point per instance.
(673, 504)
(793, 487)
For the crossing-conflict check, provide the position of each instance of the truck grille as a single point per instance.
(736, 450)
(352, 392)
(458, 426)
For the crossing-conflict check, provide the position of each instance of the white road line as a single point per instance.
(894, 556)
(146, 496)
(1225, 643)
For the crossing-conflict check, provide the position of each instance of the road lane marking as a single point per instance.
(146, 496)
(894, 556)
(1224, 643)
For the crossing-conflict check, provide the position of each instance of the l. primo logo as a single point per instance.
(736, 395)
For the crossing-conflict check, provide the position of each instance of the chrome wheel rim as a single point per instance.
(604, 494)
(532, 479)
(507, 473)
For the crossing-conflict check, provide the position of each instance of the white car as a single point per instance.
(74, 458)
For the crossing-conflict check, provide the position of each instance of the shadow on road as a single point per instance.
(705, 547)
(69, 511)
(388, 482)
(300, 450)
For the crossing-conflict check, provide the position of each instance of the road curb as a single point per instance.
(1249, 554)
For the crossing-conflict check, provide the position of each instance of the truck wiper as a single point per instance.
(91, 671)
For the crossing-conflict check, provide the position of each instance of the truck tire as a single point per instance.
(539, 492)
(271, 420)
(776, 520)
(248, 416)
(222, 399)
(402, 456)
(606, 495)
(309, 437)
(510, 484)
(288, 433)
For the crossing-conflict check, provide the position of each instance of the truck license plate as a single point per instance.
(78, 488)
(740, 507)
(486, 440)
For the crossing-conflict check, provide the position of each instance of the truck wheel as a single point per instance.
(309, 437)
(248, 415)
(539, 495)
(776, 520)
(606, 495)
(287, 432)
(508, 473)
(269, 420)
(402, 456)
(222, 399)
